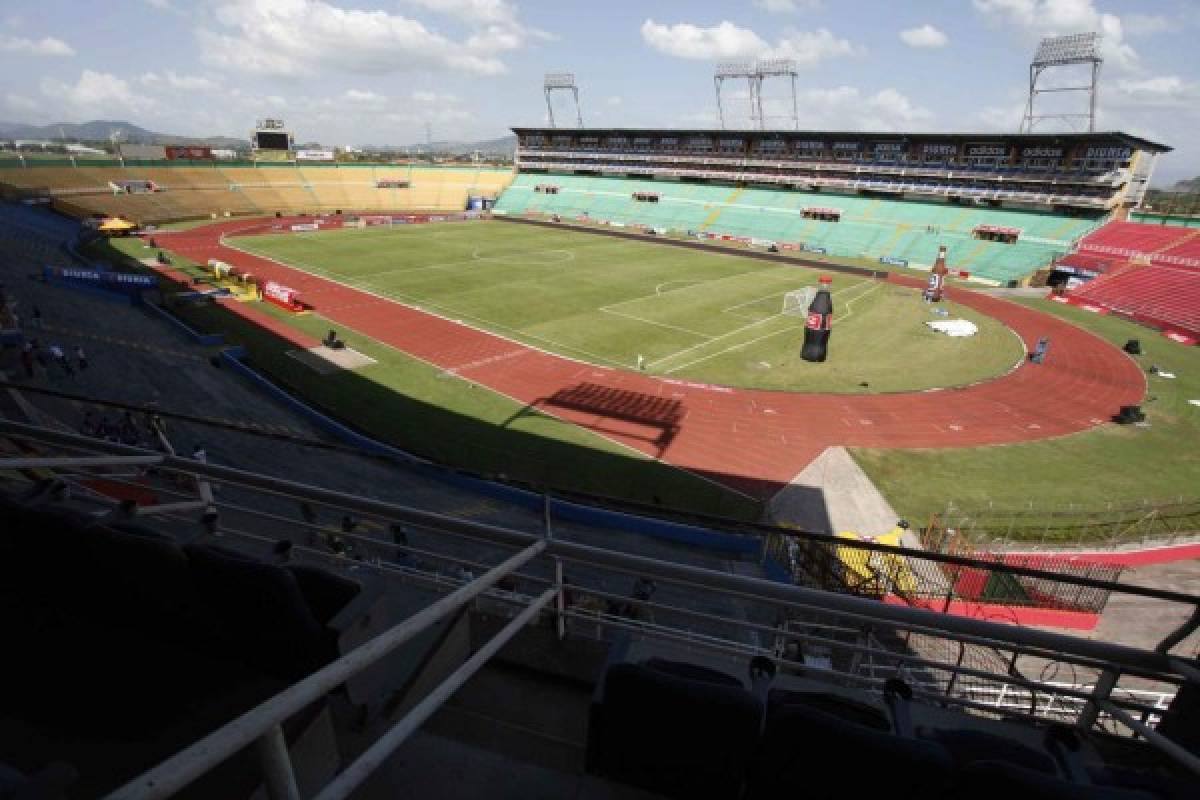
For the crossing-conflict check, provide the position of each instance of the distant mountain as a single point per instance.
(505, 145)
(100, 130)
(1189, 186)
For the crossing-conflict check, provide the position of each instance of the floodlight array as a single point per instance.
(1075, 48)
(560, 80)
(734, 69)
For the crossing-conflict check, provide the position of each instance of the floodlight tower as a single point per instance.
(735, 70)
(564, 81)
(1064, 51)
(776, 68)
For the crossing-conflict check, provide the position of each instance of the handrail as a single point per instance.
(235, 475)
(189, 764)
(755, 588)
(261, 725)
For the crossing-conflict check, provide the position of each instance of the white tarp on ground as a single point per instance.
(954, 327)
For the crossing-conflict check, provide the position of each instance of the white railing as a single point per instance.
(75, 455)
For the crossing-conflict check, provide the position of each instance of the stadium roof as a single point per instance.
(1107, 136)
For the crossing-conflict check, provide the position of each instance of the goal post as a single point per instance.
(796, 302)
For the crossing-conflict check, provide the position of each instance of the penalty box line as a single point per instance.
(733, 332)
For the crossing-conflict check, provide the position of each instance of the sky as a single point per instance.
(354, 72)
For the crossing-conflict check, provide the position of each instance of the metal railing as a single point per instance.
(862, 636)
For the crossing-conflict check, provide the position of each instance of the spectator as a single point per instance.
(27, 359)
(88, 428)
(60, 358)
(199, 453)
(80, 358)
(129, 430)
(36, 320)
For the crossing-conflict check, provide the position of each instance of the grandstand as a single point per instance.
(1147, 273)
(189, 192)
(867, 227)
(774, 674)
(1005, 205)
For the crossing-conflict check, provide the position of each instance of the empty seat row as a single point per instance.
(121, 645)
(688, 731)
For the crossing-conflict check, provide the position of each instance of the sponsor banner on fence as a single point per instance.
(306, 226)
(895, 262)
(96, 276)
(809, 249)
(181, 153)
(314, 155)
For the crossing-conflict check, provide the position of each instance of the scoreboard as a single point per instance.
(272, 140)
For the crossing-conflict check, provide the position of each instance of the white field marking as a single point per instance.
(730, 333)
(841, 318)
(658, 289)
(657, 324)
(737, 346)
(537, 410)
(570, 256)
(450, 315)
(693, 285)
(766, 336)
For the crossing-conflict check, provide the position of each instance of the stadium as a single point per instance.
(658, 462)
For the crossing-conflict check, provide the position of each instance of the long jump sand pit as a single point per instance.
(326, 360)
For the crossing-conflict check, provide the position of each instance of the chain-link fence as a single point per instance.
(1033, 527)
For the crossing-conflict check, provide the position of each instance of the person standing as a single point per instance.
(27, 360)
(80, 358)
(36, 320)
(60, 358)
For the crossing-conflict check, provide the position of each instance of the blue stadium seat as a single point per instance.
(680, 730)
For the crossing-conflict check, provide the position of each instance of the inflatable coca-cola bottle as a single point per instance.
(817, 324)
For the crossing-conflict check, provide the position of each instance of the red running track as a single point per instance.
(751, 440)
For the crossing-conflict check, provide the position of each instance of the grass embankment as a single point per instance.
(1080, 476)
(422, 409)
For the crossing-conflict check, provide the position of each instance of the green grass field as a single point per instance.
(706, 316)
(416, 406)
(1110, 467)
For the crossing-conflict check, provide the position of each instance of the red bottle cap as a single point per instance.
(826, 279)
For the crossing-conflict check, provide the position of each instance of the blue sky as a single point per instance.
(376, 71)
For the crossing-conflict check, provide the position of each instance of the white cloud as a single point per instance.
(174, 80)
(684, 40)
(159, 4)
(728, 41)
(304, 37)
(475, 11)
(808, 48)
(924, 36)
(838, 108)
(20, 103)
(46, 46)
(1158, 92)
(95, 93)
(787, 6)
(365, 96)
(615, 100)
(1145, 24)
(1037, 18)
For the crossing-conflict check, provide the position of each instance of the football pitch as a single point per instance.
(704, 316)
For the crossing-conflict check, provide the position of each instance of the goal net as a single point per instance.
(797, 302)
